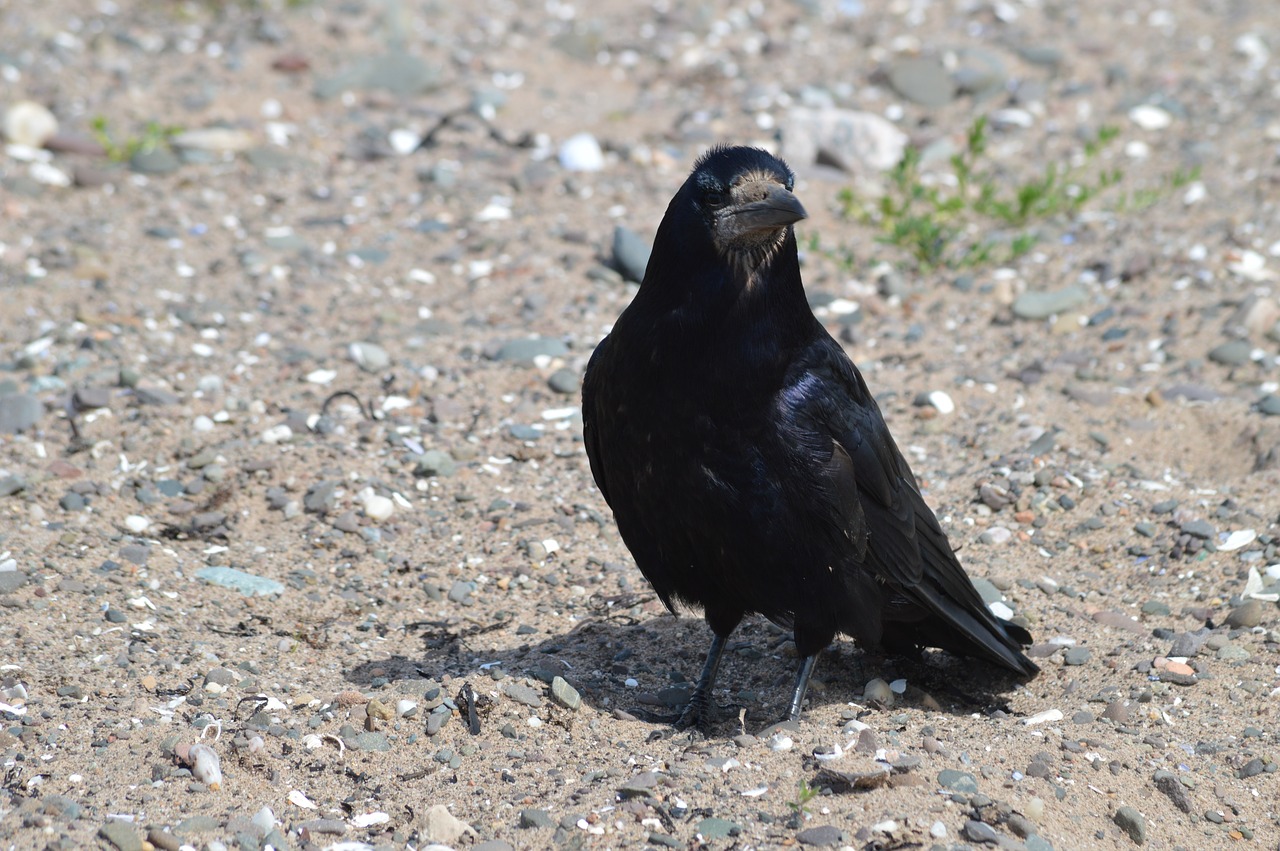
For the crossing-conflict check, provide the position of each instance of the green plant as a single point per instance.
(940, 225)
(153, 136)
(804, 794)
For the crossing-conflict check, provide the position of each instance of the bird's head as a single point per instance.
(744, 197)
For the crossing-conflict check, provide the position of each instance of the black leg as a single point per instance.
(700, 702)
(802, 685)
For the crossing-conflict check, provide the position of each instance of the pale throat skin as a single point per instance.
(751, 226)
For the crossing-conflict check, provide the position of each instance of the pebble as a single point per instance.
(878, 691)
(564, 381)
(1150, 117)
(216, 139)
(370, 357)
(581, 152)
(521, 693)
(1044, 717)
(1133, 823)
(155, 160)
(630, 253)
(825, 836)
(565, 694)
(1035, 304)
(1248, 614)
(238, 580)
(124, 836)
(1076, 656)
(1231, 353)
(1168, 783)
(853, 140)
(29, 124)
(536, 818)
(923, 80)
(19, 412)
(957, 781)
(1269, 405)
(528, 350)
(995, 535)
(435, 462)
(718, 828)
(977, 831)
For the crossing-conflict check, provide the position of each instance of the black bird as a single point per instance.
(747, 465)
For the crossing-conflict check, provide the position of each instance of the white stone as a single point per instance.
(29, 123)
(582, 153)
(1043, 717)
(136, 523)
(1150, 117)
(277, 434)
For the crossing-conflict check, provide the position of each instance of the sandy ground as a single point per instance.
(434, 551)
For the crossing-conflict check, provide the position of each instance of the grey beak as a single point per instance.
(777, 209)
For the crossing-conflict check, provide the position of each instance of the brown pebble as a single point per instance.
(350, 698)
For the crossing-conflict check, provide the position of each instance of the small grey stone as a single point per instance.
(238, 580)
(1164, 506)
(11, 580)
(436, 722)
(824, 836)
(268, 158)
(122, 835)
(1076, 656)
(10, 485)
(564, 381)
(1036, 842)
(1247, 615)
(369, 356)
(718, 828)
(1040, 54)
(1270, 405)
(536, 818)
(565, 694)
(435, 462)
(347, 521)
(922, 79)
(19, 412)
(1202, 529)
(1036, 304)
(493, 845)
(630, 253)
(1167, 782)
(89, 398)
(1252, 768)
(368, 741)
(321, 497)
(1117, 711)
(1231, 353)
(155, 396)
(521, 693)
(987, 591)
(979, 831)
(1133, 823)
(461, 591)
(72, 502)
(155, 160)
(957, 781)
(197, 824)
(525, 350)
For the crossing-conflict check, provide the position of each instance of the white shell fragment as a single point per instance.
(370, 819)
(205, 765)
(300, 800)
(1043, 717)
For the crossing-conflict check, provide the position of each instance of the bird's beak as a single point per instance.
(777, 209)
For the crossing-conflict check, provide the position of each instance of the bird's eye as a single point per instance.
(714, 199)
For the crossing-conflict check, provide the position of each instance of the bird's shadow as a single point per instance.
(645, 669)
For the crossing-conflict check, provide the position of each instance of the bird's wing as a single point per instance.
(879, 497)
(590, 421)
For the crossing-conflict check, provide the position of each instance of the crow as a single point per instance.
(746, 463)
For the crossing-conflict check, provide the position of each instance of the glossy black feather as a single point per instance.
(746, 462)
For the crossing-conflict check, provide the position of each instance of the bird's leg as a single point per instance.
(700, 701)
(802, 685)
